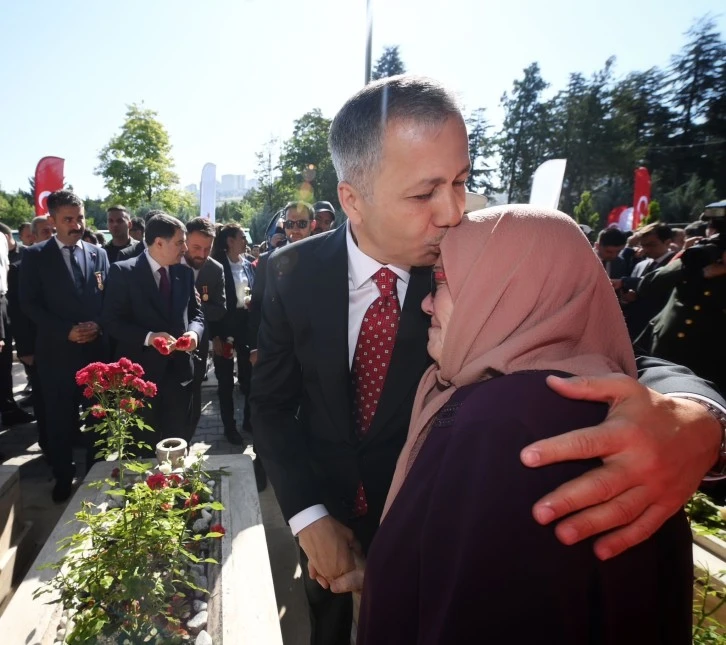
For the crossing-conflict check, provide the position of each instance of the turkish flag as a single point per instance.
(48, 179)
(614, 216)
(641, 196)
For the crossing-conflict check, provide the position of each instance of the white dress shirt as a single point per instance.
(155, 266)
(362, 293)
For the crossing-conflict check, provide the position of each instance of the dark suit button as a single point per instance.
(689, 321)
(696, 307)
(681, 334)
(706, 293)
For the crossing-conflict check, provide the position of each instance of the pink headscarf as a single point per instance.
(529, 294)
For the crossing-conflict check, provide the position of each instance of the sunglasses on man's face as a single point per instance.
(291, 224)
(438, 277)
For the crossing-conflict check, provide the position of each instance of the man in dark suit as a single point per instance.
(134, 251)
(62, 284)
(152, 297)
(639, 308)
(209, 282)
(119, 221)
(329, 463)
(610, 242)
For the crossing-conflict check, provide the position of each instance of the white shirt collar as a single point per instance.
(61, 246)
(155, 266)
(362, 267)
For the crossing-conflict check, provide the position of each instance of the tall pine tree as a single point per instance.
(389, 64)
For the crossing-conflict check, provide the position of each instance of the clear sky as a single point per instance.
(226, 75)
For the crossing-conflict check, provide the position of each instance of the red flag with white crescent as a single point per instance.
(48, 179)
(641, 197)
(614, 216)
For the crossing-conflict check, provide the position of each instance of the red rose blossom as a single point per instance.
(183, 344)
(115, 473)
(149, 389)
(98, 411)
(156, 481)
(192, 501)
(217, 528)
(88, 392)
(161, 345)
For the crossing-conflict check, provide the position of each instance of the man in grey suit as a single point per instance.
(209, 281)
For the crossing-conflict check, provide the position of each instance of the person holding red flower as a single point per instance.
(152, 313)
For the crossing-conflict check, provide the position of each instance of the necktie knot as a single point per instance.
(385, 280)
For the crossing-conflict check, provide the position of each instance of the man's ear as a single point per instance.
(350, 200)
(313, 225)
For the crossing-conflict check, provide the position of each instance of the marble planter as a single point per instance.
(242, 596)
(172, 450)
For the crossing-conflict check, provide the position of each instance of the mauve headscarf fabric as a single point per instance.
(529, 294)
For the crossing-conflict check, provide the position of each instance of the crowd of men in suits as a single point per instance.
(671, 283)
(71, 302)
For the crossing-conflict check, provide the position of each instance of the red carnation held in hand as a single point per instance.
(161, 345)
(183, 343)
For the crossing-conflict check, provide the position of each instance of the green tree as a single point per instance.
(14, 209)
(136, 165)
(523, 140)
(686, 202)
(481, 150)
(585, 212)
(654, 212)
(389, 64)
(307, 171)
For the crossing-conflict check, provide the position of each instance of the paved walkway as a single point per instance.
(20, 447)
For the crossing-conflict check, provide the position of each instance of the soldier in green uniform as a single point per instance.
(691, 328)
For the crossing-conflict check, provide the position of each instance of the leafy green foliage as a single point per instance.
(15, 209)
(136, 165)
(585, 212)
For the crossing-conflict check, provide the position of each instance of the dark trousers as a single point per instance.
(331, 614)
(200, 369)
(63, 399)
(7, 400)
(168, 413)
(224, 369)
(38, 406)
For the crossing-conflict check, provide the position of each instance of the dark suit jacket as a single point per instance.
(301, 385)
(256, 296)
(48, 296)
(22, 327)
(210, 286)
(114, 252)
(133, 309)
(618, 268)
(129, 252)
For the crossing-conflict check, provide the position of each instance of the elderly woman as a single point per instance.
(458, 557)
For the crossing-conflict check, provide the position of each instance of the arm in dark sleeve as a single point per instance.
(256, 298)
(116, 316)
(195, 315)
(669, 378)
(660, 283)
(32, 300)
(275, 398)
(215, 309)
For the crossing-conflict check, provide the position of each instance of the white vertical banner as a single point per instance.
(547, 183)
(208, 191)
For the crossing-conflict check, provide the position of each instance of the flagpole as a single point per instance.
(369, 40)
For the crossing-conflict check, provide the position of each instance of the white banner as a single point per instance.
(208, 191)
(547, 183)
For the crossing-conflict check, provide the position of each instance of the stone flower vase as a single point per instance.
(172, 450)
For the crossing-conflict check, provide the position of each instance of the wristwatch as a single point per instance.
(718, 472)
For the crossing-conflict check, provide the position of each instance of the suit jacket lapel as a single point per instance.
(53, 250)
(329, 318)
(90, 266)
(409, 358)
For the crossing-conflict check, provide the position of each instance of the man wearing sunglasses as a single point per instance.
(299, 221)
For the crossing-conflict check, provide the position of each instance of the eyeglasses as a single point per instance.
(290, 224)
(438, 277)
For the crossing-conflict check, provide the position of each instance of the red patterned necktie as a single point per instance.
(372, 357)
